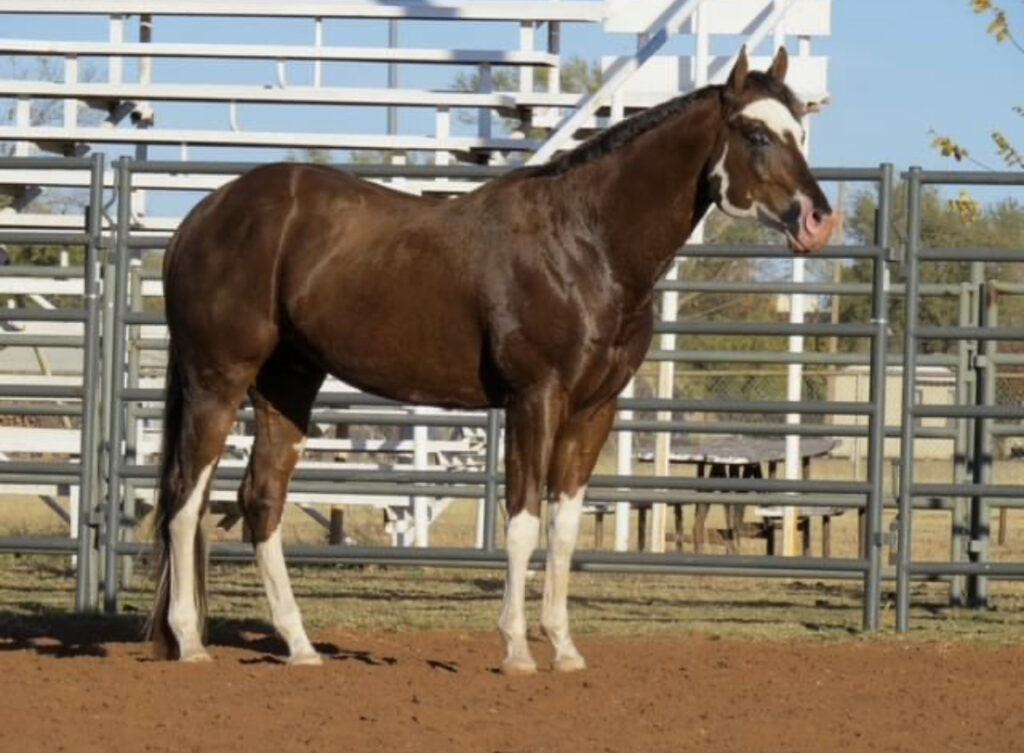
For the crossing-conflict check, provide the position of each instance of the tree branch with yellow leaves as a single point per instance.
(999, 27)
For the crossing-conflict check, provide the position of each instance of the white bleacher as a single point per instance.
(132, 98)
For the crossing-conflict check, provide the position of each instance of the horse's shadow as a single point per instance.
(63, 635)
(66, 635)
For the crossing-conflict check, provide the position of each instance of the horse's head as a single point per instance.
(758, 168)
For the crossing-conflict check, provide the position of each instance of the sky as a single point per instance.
(901, 67)
(897, 69)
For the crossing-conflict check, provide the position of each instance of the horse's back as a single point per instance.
(362, 277)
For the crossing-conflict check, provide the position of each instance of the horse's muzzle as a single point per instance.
(813, 228)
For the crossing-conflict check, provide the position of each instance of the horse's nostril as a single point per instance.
(816, 217)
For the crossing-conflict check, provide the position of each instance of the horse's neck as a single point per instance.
(653, 191)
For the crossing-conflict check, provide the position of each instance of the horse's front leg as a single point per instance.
(576, 450)
(531, 422)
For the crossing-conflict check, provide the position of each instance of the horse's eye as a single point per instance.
(757, 137)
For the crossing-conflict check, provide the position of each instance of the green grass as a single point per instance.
(397, 598)
(400, 599)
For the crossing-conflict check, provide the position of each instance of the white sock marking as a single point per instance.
(521, 539)
(563, 530)
(283, 609)
(776, 117)
(183, 613)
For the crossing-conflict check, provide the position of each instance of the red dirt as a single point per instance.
(439, 692)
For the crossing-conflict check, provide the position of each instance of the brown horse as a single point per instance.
(533, 293)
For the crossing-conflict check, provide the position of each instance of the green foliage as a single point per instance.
(311, 155)
(701, 306)
(999, 225)
(576, 75)
(46, 256)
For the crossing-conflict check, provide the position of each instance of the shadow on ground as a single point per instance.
(63, 635)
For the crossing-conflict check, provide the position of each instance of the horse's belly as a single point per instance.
(410, 364)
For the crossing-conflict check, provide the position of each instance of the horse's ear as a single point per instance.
(779, 65)
(738, 75)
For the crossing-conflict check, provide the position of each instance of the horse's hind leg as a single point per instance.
(282, 398)
(207, 420)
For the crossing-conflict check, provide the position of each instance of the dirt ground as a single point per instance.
(71, 688)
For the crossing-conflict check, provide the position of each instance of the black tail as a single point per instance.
(175, 479)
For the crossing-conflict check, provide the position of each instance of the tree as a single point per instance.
(312, 155)
(999, 27)
(1000, 225)
(576, 75)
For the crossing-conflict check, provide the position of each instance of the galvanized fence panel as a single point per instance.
(982, 397)
(126, 400)
(80, 402)
(111, 367)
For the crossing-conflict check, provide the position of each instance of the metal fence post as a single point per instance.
(131, 434)
(117, 338)
(876, 422)
(491, 482)
(86, 596)
(912, 281)
(984, 366)
(961, 451)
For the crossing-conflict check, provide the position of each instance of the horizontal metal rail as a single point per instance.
(43, 341)
(969, 178)
(969, 333)
(41, 391)
(968, 411)
(38, 544)
(765, 329)
(43, 238)
(990, 569)
(56, 273)
(465, 557)
(332, 475)
(971, 254)
(42, 315)
(1008, 491)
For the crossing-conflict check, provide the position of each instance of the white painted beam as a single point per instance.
(375, 141)
(300, 95)
(666, 24)
(467, 10)
(277, 52)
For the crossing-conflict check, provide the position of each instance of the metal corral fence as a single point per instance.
(115, 466)
(78, 470)
(972, 418)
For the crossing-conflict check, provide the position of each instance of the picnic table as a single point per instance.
(744, 457)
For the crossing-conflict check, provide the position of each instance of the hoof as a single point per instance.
(305, 660)
(196, 657)
(569, 664)
(518, 666)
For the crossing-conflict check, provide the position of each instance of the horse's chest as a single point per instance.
(612, 359)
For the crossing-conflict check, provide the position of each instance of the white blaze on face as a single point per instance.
(776, 118)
